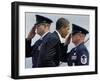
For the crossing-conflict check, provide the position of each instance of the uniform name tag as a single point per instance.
(74, 57)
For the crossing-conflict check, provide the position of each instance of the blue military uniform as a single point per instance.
(78, 55)
(39, 48)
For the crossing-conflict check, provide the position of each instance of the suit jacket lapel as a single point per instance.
(57, 36)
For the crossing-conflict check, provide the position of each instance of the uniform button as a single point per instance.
(75, 53)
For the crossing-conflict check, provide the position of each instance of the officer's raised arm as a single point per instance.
(31, 33)
(28, 41)
(67, 39)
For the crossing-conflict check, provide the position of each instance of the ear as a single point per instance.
(45, 25)
(83, 35)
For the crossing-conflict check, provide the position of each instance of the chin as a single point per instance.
(38, 33)
(63, 36)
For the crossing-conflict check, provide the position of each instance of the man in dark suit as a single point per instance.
(78, 55)
(39, 48)
(62, 31)
(55, 51)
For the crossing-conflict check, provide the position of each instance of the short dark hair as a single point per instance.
(61, 22)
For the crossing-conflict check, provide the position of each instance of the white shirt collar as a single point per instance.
(62, 40)
(44, 34)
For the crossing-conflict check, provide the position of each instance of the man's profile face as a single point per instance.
(64, 31)
(40, 29)
(76, 37)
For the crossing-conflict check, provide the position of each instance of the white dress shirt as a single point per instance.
(62, 40)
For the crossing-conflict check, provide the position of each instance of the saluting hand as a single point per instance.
(67, 39)
(32, 33)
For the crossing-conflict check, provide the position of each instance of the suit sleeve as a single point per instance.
(47, 53)
(69, 61)
(64, 54)
(28, 48)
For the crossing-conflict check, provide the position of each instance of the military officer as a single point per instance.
(79, 55)
(42, 25)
